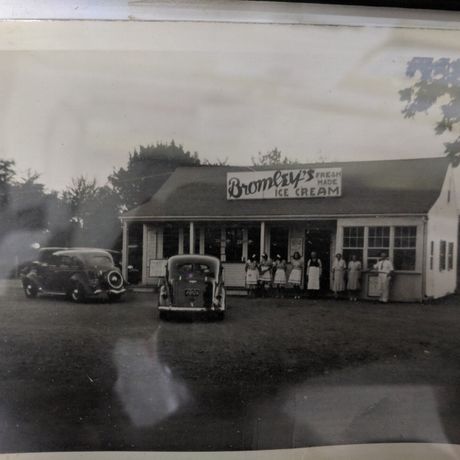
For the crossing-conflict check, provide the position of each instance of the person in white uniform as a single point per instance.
(295, 277)
(252, 275)
(385, 270)
(354, 274)
(265, 274)
(314, 270)
(279, 278)
(339, 268)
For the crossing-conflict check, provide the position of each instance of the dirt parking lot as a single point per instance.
(273, 374)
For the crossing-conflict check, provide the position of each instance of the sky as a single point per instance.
(77, 98)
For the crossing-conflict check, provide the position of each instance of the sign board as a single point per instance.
(296, 246)
(157, 268)
(373, 285)
(284, 183)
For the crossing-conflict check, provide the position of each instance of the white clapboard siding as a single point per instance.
(234, 275)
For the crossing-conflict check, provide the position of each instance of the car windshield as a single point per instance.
(101, 261)
(192, 269)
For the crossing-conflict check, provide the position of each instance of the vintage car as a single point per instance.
(76, 273)
(192, 283)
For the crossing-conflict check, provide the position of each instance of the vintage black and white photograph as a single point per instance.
(223, 236)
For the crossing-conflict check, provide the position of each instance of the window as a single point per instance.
(442, 256)
(379, 241)
(65, 261)
(170, 240)
(431, 255)
(450, 256)
(234, 244)
(404, 248)
(353, 242)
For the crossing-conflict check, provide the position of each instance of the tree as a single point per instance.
(272, 158)
(93, 214)
(28, 201)
(7, 173)
(147, 169)
(218, 162)
(79, 197)
(436, 80)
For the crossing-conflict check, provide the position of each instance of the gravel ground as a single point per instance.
(274, 374)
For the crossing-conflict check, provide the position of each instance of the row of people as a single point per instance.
(265, 274)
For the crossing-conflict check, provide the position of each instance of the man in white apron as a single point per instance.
(385, 270)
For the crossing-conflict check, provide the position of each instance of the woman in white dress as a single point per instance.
(265, 273)
(252, 275)
(314, 270)
(279, 279)
(295, 277)
(354, 274)
(339, 268)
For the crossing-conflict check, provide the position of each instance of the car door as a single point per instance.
(46, 271)
(64, 271)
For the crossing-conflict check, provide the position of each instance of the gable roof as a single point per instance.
(368, 188)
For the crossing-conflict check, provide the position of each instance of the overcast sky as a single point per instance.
(77, 100)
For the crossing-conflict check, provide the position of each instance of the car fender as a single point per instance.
(164, 290)
(32, 277)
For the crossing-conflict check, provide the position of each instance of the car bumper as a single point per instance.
(191, 309)
(108, 291)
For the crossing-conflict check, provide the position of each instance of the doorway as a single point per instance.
(318, 239)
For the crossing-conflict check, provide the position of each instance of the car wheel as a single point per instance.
(77, 294)
(30, 289)
(113, 297)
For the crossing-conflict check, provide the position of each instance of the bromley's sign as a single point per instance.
(285, 183)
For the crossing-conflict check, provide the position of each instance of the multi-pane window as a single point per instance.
(442, 255)
(379, 241)
(398, 242)
(234, 244)
(404, 248)
(353, 242)
(450, 256)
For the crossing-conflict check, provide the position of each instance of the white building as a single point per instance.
(407, 208)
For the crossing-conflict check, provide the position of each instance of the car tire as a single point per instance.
(30, 289)
(113, 297)
(77, 293)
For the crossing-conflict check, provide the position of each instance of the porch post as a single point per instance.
(124, 250)
(192, 238)
(262, 238)
(144, 252)
(245, 244)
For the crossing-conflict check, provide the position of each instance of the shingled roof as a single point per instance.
(388, 187)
